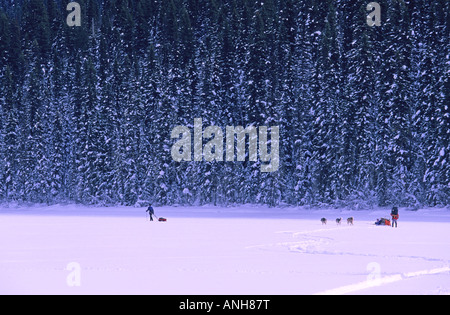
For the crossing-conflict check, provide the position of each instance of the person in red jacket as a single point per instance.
(395, 216)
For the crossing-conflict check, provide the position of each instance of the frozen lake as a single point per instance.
(208, 250)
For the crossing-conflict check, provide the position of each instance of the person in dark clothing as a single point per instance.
(151, 212)
(394, 215)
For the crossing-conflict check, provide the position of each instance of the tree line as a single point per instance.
(86, 113)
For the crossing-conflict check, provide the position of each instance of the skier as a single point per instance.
(151, 212)
(395, 216)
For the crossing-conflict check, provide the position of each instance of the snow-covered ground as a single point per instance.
(207, 250)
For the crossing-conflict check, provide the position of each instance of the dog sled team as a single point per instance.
(338, 221)
(382, 221)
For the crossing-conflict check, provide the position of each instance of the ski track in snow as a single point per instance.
(311, 244)
(356, 287)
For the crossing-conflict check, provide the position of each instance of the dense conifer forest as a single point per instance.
(86, 113)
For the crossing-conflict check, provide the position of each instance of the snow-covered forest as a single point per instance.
(86, 113)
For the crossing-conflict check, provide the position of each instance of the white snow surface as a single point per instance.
(71, 249)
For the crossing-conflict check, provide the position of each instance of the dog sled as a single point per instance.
(383, 221)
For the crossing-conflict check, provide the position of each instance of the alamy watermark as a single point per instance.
(73, 279)
(213, 150)
(374, 18)
(74, 17)
(374, 276)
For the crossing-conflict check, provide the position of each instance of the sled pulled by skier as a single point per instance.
(151, 212)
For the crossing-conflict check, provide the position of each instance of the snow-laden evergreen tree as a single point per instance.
(87, 112)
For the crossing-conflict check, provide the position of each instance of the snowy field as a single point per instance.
(248, 250)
